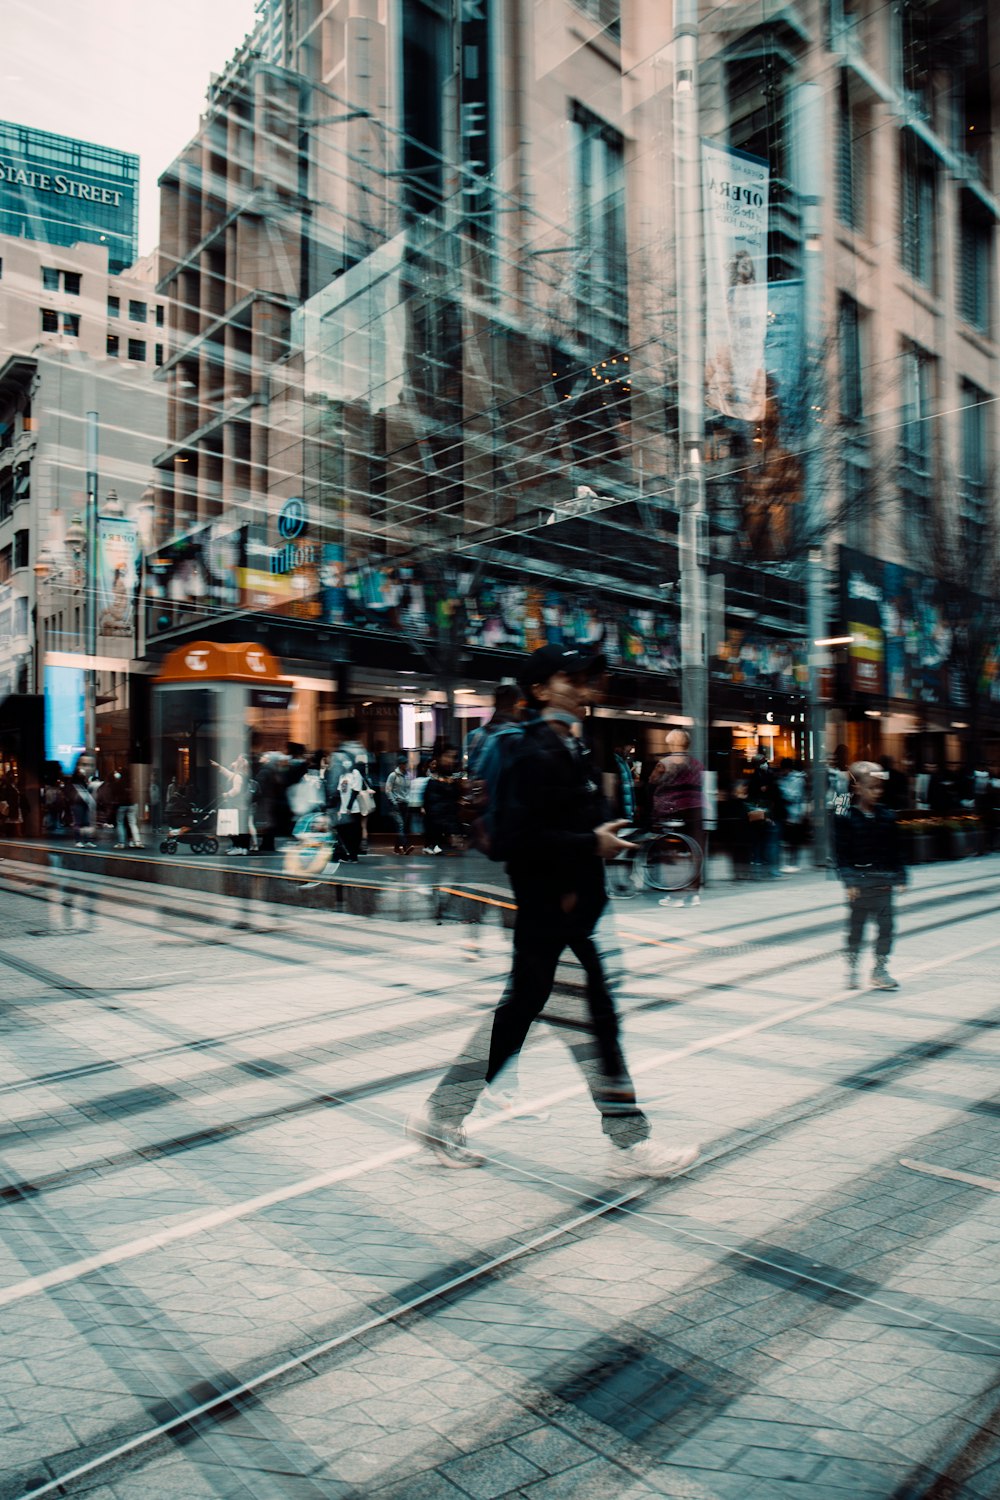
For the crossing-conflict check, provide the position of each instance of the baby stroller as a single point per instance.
(196, 828)
(318, 846)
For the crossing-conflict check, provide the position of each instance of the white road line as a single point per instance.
(169, 1235)
(161, 1238)
(930, 1170)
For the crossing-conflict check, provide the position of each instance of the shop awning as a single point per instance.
(209, 661)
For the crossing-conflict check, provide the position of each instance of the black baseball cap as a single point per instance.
(548, 660)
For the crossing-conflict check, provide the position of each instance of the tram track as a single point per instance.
(281, 1069)
(196, 1412)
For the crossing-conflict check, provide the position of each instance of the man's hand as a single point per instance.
(608, 842)
(853, 892)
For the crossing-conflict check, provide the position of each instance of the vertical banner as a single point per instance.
(333, 583)
(734, 200)
(117, 575)
(65, 712)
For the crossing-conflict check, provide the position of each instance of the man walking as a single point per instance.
(870, 863)
(551, 825)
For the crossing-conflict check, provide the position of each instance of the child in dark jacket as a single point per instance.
(870, 863)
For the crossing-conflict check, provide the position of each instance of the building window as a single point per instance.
(427, 64)
(975, 261)
(918, 202)
(71, 325)
(599, 223)
(114, 307)
(22, 482)
(607, 13)
(50, 320)
(973, 475)
(159, 315)
(50, 279)
(916, 450)
(852, 404)
(137, 311)
(854, 131)
(1, 268)
(71, 283)
(21, 549)
(112, 345)
(137, 350)
(158, 354)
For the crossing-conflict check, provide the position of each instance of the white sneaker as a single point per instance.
(510, 1103)
(446, 1143)
(645, 1159)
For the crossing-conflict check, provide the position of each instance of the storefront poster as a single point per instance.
(903, 641)
(749, 659)
(203, 567)
(117, 576)
(735, 203)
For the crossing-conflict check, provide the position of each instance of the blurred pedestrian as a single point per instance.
(870, 863)
(348, 809)
(677, 784)
(83, 802)
(397, 795)
(793, 787)
(233, 820)
(126, 810)
(441, 798)
(350, 755)
(551, 821)
(508, 702)
(766, 814)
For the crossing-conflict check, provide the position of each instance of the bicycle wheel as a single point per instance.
(671, 862)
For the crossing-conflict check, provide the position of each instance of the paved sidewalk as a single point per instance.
(224, 1272)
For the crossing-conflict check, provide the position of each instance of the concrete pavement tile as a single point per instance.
(780, 1464)
(431, 1486)
(492, 1471)
(551, 1450)
(596, 1480)
(706, 1453)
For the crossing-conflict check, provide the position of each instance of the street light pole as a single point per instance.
(690, 376)
(90, 583)
(807, 133)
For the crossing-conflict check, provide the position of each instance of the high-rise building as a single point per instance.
(65, 192)
(425, 356)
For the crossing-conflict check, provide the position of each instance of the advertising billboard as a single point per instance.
(65, 709)
(735, 202)
(117, 576)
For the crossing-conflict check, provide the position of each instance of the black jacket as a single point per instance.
(868, 849)
(550, 802)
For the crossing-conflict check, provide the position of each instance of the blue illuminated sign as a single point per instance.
(65, 711)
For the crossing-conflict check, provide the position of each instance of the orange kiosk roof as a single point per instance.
(207, 661)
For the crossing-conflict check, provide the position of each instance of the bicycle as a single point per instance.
(666, 859)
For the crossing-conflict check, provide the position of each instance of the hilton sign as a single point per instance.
(60, 184)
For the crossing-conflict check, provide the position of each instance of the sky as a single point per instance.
(124, 73)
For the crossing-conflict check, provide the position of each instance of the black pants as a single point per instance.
(875, 902)
(350, 834)
(593, 1038)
